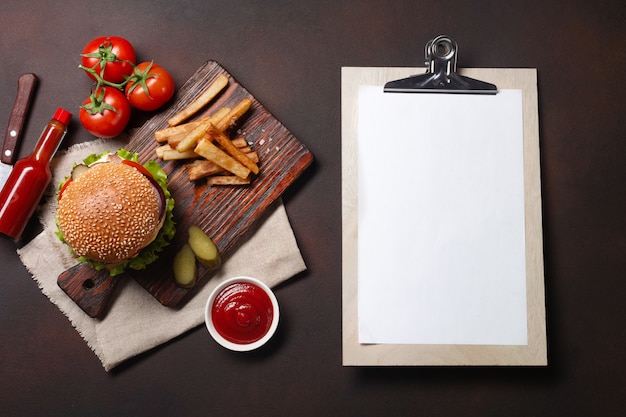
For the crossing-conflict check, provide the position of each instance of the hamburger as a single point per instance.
(115, 213)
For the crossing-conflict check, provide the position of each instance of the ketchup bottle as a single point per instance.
(29, 178)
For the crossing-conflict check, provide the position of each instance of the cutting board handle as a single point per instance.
(88, 288)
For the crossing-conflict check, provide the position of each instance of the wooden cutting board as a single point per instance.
(225, 213)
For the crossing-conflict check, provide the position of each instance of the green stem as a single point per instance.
(102, 81)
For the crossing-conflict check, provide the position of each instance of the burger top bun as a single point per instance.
(109, 213)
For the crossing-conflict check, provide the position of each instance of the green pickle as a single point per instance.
(185, 271)
(203, 247)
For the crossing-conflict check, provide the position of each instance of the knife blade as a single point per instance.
(26, 84)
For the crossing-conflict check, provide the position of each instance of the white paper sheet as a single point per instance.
(441, 254)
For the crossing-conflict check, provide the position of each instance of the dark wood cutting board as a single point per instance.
(225, 213)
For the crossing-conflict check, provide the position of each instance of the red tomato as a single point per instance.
(105, 113)
(112, 57)
(150, 87)
(62, 190)
(138, 167)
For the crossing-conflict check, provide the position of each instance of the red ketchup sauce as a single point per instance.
(242, 313)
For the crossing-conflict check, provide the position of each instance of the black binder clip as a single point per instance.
(440, 76)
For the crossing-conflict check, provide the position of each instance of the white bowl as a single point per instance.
(244, 311)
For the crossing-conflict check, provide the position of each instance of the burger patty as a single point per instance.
(109, 213)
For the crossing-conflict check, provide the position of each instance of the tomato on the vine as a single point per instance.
(149, 87)
(120, 84)
(111, 57)
(105, 113)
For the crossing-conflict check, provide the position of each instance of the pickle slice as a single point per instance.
(185, 271)
(203, 247)
(78, 170)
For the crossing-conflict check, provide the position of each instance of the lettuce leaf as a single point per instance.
(149, 254)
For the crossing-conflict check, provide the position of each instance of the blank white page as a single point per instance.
(441, 248)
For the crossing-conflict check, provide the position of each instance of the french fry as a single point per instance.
(174, 155)
(208, 150)
(253, 156)
(174, 140)
(219, 114)
(201, 168)
(242, 145)
(227, 180)
(231, 149)
(174, 135)
(160, 149)
(234, 114)
(167, 153)
(202, 100)
(245, 149)
(191, 139)
(207, 146)
(164, 135)
(240, 142)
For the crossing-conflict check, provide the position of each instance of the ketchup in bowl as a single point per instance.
(242, 313)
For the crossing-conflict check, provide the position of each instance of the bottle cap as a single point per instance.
(63, 116)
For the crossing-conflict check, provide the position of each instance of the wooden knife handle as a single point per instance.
(88, 288)
(25, 88)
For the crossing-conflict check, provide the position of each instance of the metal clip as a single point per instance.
(441, 75)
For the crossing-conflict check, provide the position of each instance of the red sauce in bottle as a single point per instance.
(242, 313)
(29, 178)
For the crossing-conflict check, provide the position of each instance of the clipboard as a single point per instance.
(534, 352)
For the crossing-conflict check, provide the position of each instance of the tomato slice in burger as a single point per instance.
(138, 167)
(64, 187)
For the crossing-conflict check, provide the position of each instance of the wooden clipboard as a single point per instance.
(356, 354)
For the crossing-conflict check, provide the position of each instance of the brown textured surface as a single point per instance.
(289, 55)
(224, 212)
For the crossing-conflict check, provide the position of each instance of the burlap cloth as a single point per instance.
(136, 322)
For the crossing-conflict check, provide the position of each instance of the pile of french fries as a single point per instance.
(204, 144)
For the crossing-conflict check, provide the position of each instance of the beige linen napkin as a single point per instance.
(136, 322)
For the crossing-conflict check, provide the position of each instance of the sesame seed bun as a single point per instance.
(109, 213)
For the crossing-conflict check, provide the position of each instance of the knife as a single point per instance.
(25, 88)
